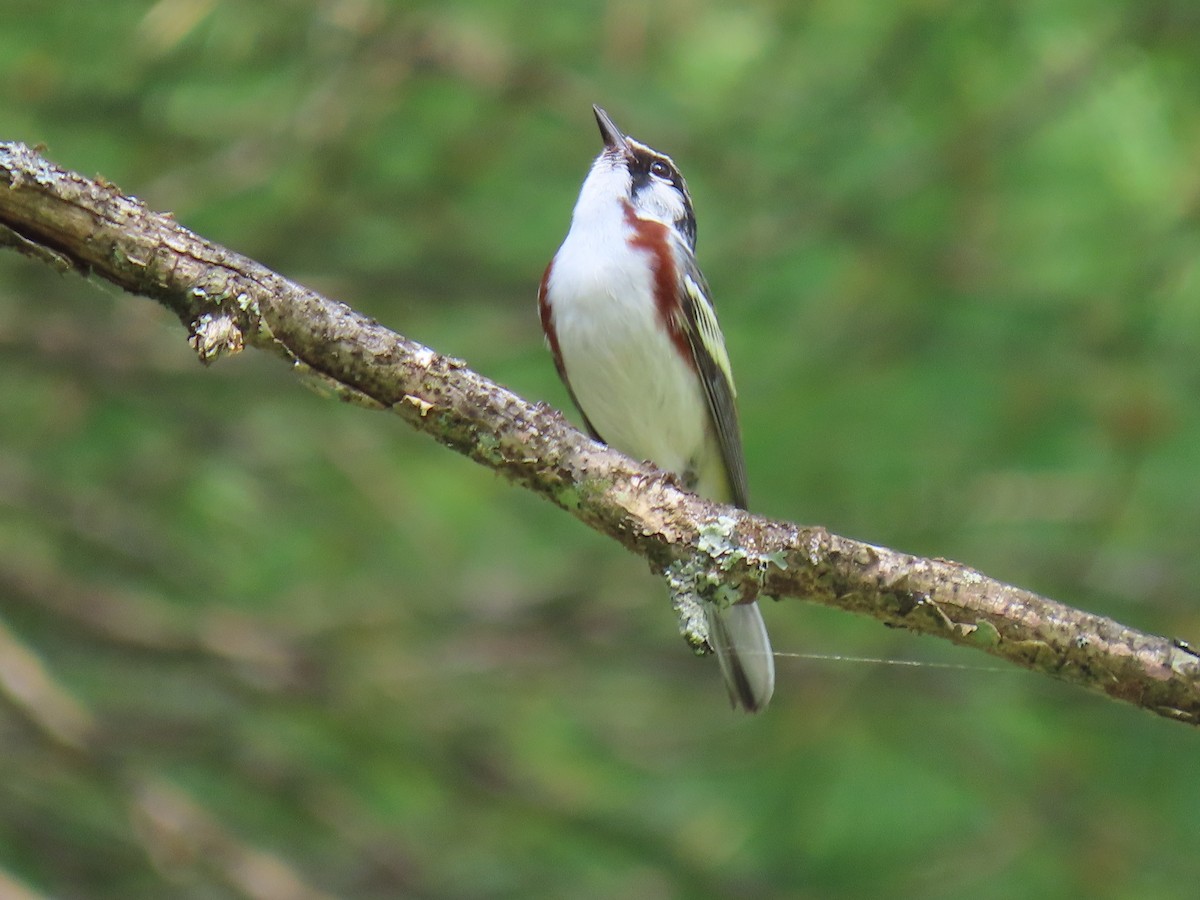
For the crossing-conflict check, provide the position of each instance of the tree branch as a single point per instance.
(227, 301)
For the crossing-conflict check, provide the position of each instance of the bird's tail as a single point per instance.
(739, 638)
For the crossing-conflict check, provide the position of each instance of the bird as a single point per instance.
(628, 318)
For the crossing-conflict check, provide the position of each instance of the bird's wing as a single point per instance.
(707, 344)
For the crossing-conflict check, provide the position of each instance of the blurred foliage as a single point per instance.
(258, 644)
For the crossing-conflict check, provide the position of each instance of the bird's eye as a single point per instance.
(660, 169)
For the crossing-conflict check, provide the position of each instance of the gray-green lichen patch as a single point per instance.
(247, 303)
(718, 541)
(716, 538)
(215, 295)
(487, 447)
(778, 559)
(214, 336)
(688, 604)
(700, 579)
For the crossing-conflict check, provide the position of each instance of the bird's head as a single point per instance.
(627, 171)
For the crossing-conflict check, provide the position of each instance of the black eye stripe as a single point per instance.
(646, 164)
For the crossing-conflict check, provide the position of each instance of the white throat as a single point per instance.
(607, 183)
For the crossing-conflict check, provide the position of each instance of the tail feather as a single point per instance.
(739, 638)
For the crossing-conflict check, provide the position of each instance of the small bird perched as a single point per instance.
(627, 315)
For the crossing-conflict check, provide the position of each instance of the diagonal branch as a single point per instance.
(227, 301)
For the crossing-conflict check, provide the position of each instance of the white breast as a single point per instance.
(630, 381)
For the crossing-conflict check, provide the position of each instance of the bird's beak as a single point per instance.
(613, 139)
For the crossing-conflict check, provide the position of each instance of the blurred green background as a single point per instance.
(954, 246)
